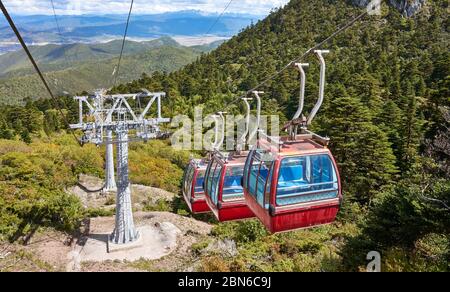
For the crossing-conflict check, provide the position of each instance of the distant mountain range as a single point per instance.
(84, 55)
(56, 57)
(74, 68)
(41, 29)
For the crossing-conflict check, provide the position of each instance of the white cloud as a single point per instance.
(141, 6)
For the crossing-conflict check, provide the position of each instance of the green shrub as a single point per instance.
(25, 210)
(32, 183)
(99, 212)
(198, 247)
(160, 206)
(249, 231)
(405, 227)
(154, 171)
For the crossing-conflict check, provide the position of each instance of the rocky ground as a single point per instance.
(166, 244)
(89, 190)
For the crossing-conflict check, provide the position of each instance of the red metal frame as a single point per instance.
(298, 216)
(227, 211)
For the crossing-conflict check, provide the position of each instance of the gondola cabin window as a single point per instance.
(253, 177)
(266, 202)
(188, 180)
(199, 182)
(247, 168)
(263, 182)
(259, 178)
(185, 178)
(306, 179)
(210, 177)
(232, 185)
(194, 187)
(215, 183)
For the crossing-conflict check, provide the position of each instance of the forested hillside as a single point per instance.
(54, 57)
(386, 111)
(92, 74)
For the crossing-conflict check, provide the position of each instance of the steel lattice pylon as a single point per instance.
(111, 120)
(124, 231)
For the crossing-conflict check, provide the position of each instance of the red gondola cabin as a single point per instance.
(193, 192)
(293, 185)
(223, 188)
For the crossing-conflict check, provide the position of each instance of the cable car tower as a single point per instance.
(111, 120)
(97, 106)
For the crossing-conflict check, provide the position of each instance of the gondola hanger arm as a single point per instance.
(315, 110)
(254, 132)
(222, 117)
(243, 140)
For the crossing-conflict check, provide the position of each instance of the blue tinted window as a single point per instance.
(306, 179)
(262, 180)
(215, 184)
(185, 179)
(247, 168)
(232, 185)
(259, 176)
(189, 175)
(189, 181)
(268, 187)
(199, 182)
(253, 178)
(210, 175)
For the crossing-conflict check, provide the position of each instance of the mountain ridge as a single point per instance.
(67, 54)
(94, 70)
(91, 29)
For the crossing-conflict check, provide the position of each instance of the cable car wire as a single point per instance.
(36, 67)
(117, 71)
(59, 32)
(58, 27)
(219, 17)
(298, 59)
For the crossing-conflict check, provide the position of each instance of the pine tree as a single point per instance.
(390, 120)
(362, 150)
(25, 136)
(410, 131)
(369, 90)
(5, 132)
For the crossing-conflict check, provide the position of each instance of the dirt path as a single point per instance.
(177, 257)
(50, 250)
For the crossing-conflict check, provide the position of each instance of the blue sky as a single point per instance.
(259, 7)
